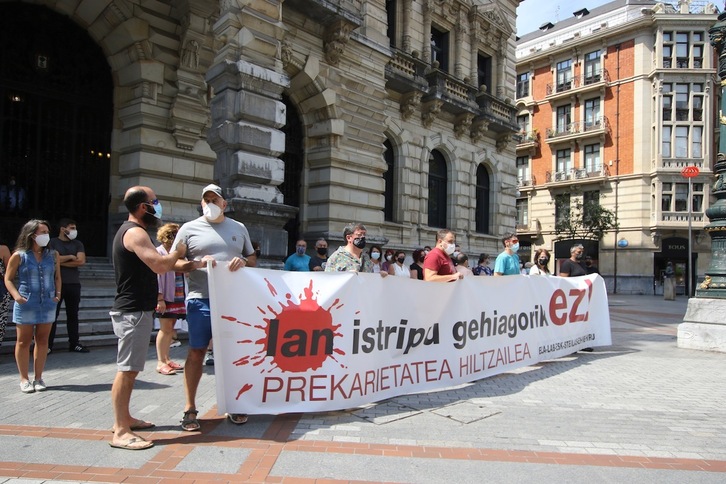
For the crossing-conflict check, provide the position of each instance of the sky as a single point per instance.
(533, 13)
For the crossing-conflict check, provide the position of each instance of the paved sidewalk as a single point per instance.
(640, 410)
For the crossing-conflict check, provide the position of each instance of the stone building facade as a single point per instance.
(612, 104)
(309, 113)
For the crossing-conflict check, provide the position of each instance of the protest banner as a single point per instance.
(306, 342)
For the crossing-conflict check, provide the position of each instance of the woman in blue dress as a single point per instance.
(36, 296)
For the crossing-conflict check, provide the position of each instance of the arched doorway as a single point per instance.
(56, 113)
(293, 158)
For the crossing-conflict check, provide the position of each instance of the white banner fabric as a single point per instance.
(306, 342)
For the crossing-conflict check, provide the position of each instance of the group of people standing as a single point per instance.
(392, 262)
(170, 281)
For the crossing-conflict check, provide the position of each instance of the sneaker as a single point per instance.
(26, 387)
(39, 385)
(209, 359)
(79, 348)
(175, 343)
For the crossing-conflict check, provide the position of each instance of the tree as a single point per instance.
(588, 220)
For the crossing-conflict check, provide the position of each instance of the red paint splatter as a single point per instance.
(297, 337)
(245, 388)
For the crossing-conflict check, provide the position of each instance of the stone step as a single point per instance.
(98, 289)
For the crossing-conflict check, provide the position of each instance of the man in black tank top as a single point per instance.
(136, 264)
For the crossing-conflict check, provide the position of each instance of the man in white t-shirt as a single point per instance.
(216, 238)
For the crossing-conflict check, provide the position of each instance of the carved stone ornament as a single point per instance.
(463, 125)
(428, 117)
(502, 142)
(409, 103)
(190, 55)
(285, 53)
(478, 129)
(336, 37)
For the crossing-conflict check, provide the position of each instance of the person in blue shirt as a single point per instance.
(507, 263)
(299, 261)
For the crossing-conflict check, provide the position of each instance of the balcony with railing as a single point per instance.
(675, 165)
(579, 129)
(457, 96)
(405, 73)
(528, 140)
(578, 85)
(526, 181)
(679, 220)
(498, 113)
(534, 227)
(578, 176)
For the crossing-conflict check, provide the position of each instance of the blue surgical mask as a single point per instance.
(300, 250)
(156, 206)
(376, 255)
(515, 247)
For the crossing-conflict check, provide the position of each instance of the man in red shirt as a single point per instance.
(437, 265)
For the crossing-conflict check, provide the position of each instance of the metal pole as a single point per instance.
(690, 258)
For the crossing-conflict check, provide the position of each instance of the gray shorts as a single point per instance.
(134, 333)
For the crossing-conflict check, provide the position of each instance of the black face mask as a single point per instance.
(150, 220)
(322, 250)
(360, 242)
(544, 261)
(401, 259)
(578, 256)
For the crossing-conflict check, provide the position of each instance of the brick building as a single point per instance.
(612, 104)
(309, 113)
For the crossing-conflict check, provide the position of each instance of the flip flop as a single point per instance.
(237, 418)
(139, 425)
(175, 366)
(166, 370)
(134, 443)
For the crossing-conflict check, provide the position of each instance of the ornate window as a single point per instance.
(438, 180)
(592, 158)
(482, 199)
(563, 162)
(440, 48)
(683, 50)
(564, 118)
(388, 193)
(484, 70)
(592, 113)
(675, 197)
(564, 75)
(522, 213)
(592, 67)
(391, 14)
(522, 85)
(523, 171)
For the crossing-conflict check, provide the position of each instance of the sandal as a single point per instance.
(189, 423)
(175, 366)
(166, 370)
(237, 418)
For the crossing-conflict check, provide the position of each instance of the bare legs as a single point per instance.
(192, 375)
(163, 340)
(24, 338)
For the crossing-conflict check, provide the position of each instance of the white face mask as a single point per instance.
(72, 234)
(211, 211)
(42, 239)
(450, 248)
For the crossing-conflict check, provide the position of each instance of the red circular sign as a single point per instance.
(690, 171)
